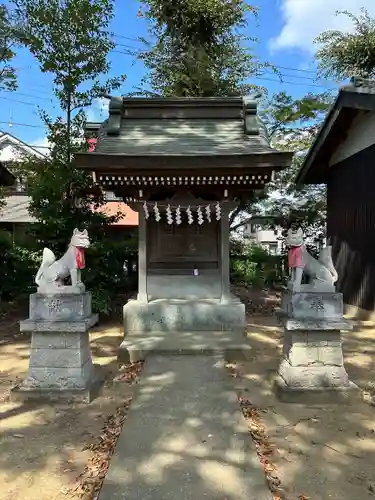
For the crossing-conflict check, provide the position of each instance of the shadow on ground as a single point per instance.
(322, 452)
(41, 445)
(325, 453)
(188, 437)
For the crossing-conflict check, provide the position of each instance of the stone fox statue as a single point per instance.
(320, 271)
(52, 273)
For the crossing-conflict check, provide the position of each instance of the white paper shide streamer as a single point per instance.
(157, 212)
(169, 215)
(189, 215)
(208, 213)
(178, 216)
(200, 216)
(145, 208)
(218, 211)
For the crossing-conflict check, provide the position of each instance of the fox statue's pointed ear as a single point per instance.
(76, 231)
(85, 232)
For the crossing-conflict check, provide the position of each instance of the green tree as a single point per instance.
(70, 40)
(9, 29)
(293, 125)
(199, 48)
(343, 55)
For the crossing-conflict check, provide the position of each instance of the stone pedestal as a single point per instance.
(60, 365)
(312, 369)
(180, 325)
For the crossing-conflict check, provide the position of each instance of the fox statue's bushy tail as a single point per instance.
(325, 257)
(47, 261)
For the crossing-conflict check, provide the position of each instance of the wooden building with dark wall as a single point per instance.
(6, 178)
(343, 158)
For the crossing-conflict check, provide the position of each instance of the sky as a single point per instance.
(286, 30)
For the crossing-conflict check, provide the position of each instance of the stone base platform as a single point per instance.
(317, 395)
(60, 364)
(138, 346)
(312, 368)
(24, 392)
(78, 326)
(178, 326)
(179, 315)
(60, 306)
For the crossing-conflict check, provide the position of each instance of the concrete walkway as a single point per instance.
(185, 437)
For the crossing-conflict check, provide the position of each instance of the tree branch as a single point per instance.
(240, 224)
(234, 214)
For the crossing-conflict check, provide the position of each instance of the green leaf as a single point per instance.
(343, 55)
(199, 48)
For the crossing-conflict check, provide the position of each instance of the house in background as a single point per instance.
(343, 158)
(257, 232)
(15, 217)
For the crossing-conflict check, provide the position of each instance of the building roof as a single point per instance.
(16, 211)
(6, 177)
(352, 99)
(175, 128)
(128, 217)
(7, 139)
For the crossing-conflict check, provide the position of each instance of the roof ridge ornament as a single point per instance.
(251, 123)
(115, 115)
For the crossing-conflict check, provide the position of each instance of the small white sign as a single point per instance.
(196, 273)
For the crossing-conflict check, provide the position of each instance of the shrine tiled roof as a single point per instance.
(185, 126)
(181, 137)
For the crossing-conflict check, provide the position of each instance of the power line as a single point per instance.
(127, 46)
(262, 78)
(297, 69)
(127, 38)
(27, 95)
(294, 83)
(19, 124)
(17, 100)
(121, 52)
(133, 50)
(310, 78)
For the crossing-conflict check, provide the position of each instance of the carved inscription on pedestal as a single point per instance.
(54, 306)
(317, 304)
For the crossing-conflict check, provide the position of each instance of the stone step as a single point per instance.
(172, 316)
(138, 346)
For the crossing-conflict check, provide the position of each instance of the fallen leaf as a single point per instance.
(89, 483)
(265, 449)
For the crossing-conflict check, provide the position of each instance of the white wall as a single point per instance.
(263, 237)
(9, 153)
(361, 135)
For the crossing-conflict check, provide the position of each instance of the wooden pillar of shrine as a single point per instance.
(224, 253)
(142, 256)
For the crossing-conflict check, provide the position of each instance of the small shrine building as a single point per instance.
(183, 164)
